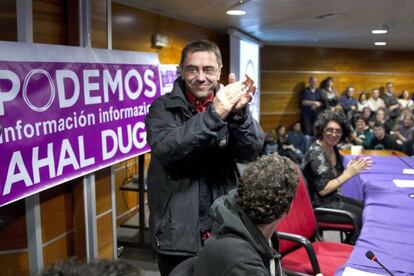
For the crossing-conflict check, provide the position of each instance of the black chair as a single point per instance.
(350, 227)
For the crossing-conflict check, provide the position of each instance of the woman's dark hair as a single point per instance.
(359, 117)
(328, 116)
(278, 129)
(362, 93)
(324, 83)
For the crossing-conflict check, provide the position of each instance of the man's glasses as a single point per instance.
(195, 71)
(331, 131)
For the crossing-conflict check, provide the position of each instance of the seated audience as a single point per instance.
(404, 113)
(381, 116)
(366, 114)
(381, 139)
(329, 93)
(324, 170)
(362, 101)
(405, 101)
(270, 143)
(404, 131)
(98, 267)
(285, 148)
(297, 138)
(243, 221)
(408, 147)
(375, 102)
(371, 122)
(362, 134)
(347, 102)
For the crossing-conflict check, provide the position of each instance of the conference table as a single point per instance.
(387, 190)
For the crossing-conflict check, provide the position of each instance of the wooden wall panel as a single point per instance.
(99, 24)
(103, 190)
(8, 21)
(14, 264)
(274, 120)
(50, 22)
(126, 201)
(79, 219)
(105, 236)
(56, 208)
(285, 71)
(328, 59)
(132, 30)
(59, 250)
(13, 234)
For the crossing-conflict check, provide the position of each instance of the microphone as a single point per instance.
(370, 255)
(402, 159)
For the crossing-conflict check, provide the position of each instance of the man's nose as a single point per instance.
(201, 76)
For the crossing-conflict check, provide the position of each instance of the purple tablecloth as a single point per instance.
(381, 165)
(388, 220)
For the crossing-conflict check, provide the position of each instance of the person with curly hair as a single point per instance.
(243, 240)
(97, 267)
(323, 168)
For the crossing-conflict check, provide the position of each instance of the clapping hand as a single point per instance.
(358, 164)
(247, 94)
(234, 96)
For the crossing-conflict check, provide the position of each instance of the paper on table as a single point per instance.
(349, 271)
(403, 183)
(408, 171)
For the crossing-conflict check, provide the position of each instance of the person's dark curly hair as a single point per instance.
(267, 188)
(98, 267)
(328, 116)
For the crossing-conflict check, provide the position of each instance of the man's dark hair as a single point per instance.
(267, 188)
(98, 267)
(201, 46)
(379, 124)
(328, 116)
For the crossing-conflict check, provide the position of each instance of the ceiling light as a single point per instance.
(380, 43)
(236, 8)
(379, 31)
(236, 12)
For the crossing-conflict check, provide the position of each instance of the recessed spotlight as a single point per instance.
(236, 12)
(379, 31)
(380, 43)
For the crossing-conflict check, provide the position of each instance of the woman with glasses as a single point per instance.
(324, 171)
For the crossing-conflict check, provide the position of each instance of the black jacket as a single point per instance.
(191, 151)
(237, 247)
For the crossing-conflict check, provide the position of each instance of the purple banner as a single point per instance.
(61, 120)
